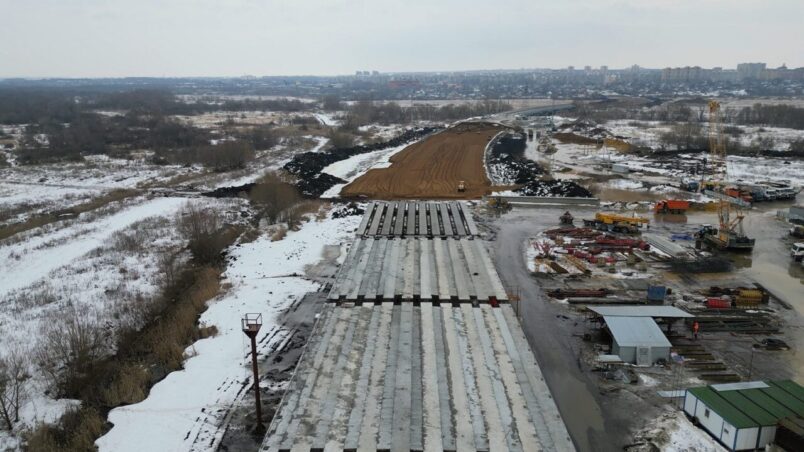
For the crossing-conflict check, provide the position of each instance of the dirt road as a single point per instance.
(592, 424)
(431, 169)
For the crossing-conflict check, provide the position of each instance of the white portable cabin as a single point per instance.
(744, 416)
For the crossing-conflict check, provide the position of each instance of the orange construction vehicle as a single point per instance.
(671, 206)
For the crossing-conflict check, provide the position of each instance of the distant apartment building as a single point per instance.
(782, 73)
(750, 70)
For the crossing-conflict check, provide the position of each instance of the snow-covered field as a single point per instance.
(28, 190)
(25, 262)
(648, 133)
(184, 411)
(96, 271)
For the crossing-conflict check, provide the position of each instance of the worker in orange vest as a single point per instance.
(695, 328)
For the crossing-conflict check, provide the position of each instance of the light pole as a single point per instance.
(251, 324)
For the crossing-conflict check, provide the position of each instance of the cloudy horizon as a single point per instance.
(180, 38)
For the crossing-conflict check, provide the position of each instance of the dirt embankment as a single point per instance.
(432, 169)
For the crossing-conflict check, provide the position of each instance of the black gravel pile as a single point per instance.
(315, 185)
(555, 188)
(348, 210)
(507, 163)
(308, 166)
(231, 192)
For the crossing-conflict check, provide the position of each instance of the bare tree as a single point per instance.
(13, 377)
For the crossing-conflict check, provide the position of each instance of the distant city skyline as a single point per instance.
(180, 38)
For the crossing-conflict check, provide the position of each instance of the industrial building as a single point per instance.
(636, 337)
(637, 340)
(744, 416)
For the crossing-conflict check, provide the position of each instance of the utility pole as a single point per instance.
(251, 324)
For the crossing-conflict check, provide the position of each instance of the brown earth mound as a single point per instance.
(432, 169)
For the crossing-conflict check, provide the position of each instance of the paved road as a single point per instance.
(575, 394)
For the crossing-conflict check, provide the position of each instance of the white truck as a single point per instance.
(797, 251)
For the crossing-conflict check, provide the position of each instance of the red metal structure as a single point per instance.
(251, 324)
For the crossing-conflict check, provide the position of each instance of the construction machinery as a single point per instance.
(617, 223)
(671, 206)
(461, 186)
(729, 234)
(728, 237)
(497, 203)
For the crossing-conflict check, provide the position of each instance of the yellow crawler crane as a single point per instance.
(617, 223)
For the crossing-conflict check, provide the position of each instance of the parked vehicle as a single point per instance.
(797, 251)
(671, 206)
(797, 231)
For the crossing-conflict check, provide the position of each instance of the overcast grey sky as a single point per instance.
(115, 38)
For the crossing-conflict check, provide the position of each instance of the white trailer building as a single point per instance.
(744, 416)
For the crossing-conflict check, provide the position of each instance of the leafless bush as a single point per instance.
(69, 349)
(341, 139)
(129, 386)
(13, 377)
(34, 297)
(75, 432)
(274, 197)
(203, 230)
(169, 267)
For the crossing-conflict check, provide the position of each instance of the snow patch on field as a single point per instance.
(625, 184)
(26, 262)
(183, 411)
(328, 119)
(752, 169)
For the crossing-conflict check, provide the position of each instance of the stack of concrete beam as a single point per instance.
(404, 377)
(417, 269)
(417, 219)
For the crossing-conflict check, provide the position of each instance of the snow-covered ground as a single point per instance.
(673, 432)
(763, 169)
(25, 262)
(27, 190)
(648, 133)
(83, 269)
(183, 412)
(329, 119)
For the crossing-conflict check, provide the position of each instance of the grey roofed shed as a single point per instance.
(637, 340)
(640, 311)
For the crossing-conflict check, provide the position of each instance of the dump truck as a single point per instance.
(617, 223)
(671, 206)
(461, 186)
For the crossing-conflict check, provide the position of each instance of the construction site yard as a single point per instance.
(433, 168)
(732, 344)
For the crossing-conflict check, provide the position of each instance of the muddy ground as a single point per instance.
(432, 169)
(601, 411)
